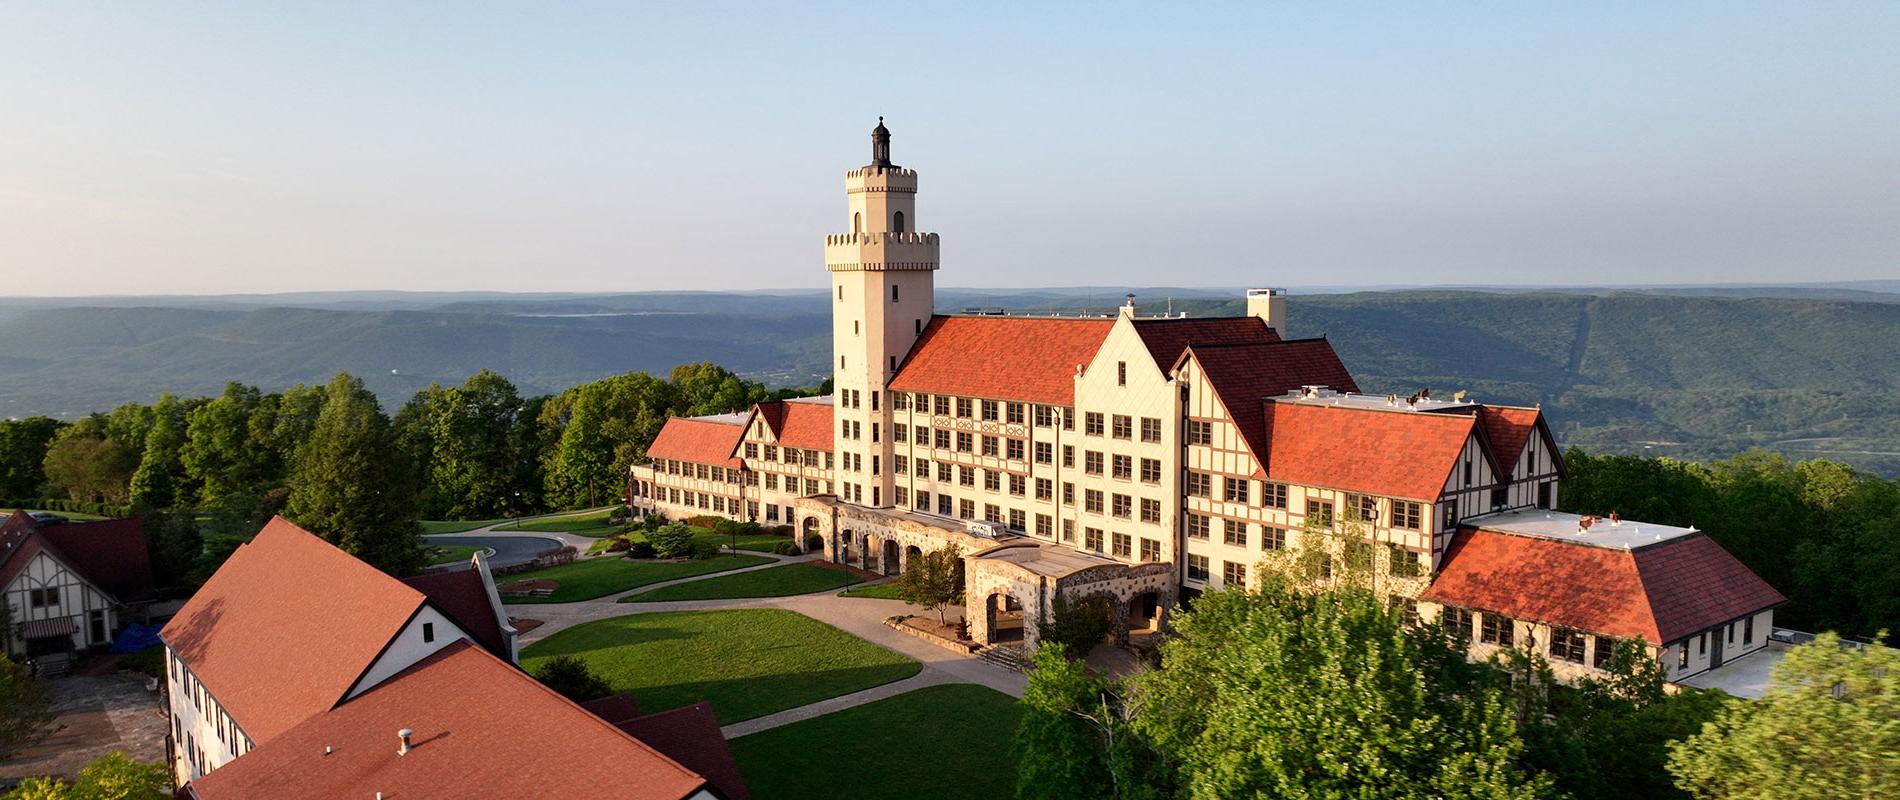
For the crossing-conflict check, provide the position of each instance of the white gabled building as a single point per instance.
(69, 585)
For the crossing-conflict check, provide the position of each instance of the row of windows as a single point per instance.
(1122, 426)
(1404, 513)
(688, 469)
(986, 410)
(1566, 644)
(1233, 573)
(793, 455)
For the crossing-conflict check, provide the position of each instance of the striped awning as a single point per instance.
(49, 628)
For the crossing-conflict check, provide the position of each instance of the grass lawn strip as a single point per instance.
(592, 523)
(946, 742)
(454, 554)
(598, 577)
(770, 582)
(455, 525)
(876, 591)
(747, 662)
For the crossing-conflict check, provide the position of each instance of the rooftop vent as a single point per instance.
(404, 735)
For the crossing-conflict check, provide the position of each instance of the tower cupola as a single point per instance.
(881, 145)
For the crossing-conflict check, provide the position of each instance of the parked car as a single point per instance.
(47, 517)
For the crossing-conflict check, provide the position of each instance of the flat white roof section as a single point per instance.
(1559, 526)
(724, 419)
(1322, 396)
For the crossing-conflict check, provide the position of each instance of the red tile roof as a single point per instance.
(1166, 338)
(1393, 453)
(463, 597)
(286, 626)
(1660, 593)
(1508, 428)
(481, 729)
(698, 440)
(691, 736)
(805, 425)
(1244, 375)
(1027, 359)
(109, 554)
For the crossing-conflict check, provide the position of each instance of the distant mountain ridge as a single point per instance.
(1691, 371)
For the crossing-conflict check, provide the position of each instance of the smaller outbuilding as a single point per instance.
(70, 585)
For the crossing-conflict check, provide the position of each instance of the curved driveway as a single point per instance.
(509, 550)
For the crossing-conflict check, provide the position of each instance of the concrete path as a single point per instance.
(860, 617)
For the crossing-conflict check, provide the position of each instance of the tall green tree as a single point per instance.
(160, 480)
(1327, 695)
(23, 444)
(23, 707)
(114, 776)
(352, 485)
(474, 434)
(87, 465)
(1076, 739)
(933, 579)
(219, 453)
(1828, 727)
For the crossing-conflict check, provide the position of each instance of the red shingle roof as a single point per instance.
(1392, 453)
(1660, 593)
(1244, 375)
(1028, 359)
(286, 626)
(109, 554)
(805, 425)
(691, 736)
(462, 596)
(481, 729)
(1508, 428)
(698, 440)
(1166, 338)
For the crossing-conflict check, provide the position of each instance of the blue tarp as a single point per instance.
(135, 637)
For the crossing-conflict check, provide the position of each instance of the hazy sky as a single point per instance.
(205, 148)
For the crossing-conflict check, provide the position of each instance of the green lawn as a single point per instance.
(591, 523)
(453, 554)
(595, 577)
(770, 582)
(456, 525)
(878, 591)
(748, 662)
(947, 742)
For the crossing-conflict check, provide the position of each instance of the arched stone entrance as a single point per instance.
(912, 553)
(1144, 612)
(1004, 618)
(844, 547)
(807, 532)
(867, 552)
(892, 561)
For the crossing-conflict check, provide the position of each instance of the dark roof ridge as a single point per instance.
(1258, 343)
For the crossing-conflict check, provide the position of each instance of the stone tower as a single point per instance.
(881, 287)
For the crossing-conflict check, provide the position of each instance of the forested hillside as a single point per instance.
(1664, 373)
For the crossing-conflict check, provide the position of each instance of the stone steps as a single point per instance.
(1008, 656)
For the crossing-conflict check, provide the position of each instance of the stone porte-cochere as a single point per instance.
(1009, 582)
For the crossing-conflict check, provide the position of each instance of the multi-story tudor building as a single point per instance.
(1155, 457)
(299, 671)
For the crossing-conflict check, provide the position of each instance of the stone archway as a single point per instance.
(1144, 612)
(911, 554)
(891, 560)
(844, 547)
(867, 552)
(808, 530)
(1004, 618)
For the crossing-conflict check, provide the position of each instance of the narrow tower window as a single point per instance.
(857, 223)
(841, 292)
(893, 294)
(897, 221)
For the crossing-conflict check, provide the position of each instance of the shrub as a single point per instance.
(619, 544)
(674, 540)
(814, 542)
(640, 549)
(786, 548)
(707, 521)
(570, 676)
(705, 550)
(779, 530)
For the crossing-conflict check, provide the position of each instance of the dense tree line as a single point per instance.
(206, 472)
(1825, 535)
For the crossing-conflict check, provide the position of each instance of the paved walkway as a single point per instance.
(860, 617)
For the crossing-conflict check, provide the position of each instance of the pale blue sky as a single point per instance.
(201, 148)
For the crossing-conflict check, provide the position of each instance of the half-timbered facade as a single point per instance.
(69, 585)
